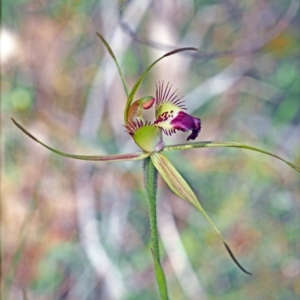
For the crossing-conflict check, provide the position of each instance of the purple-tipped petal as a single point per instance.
(185, 122)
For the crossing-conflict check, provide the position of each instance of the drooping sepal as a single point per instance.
(116, 157)
(181, 188)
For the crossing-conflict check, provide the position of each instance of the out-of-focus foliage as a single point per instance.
(76, 230)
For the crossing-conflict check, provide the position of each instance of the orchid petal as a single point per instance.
(180, 187)
(116, 62)
(135, 110)
(139, 81)
(210, 144)
(117, 157)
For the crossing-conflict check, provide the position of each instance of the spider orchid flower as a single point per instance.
(170, 116)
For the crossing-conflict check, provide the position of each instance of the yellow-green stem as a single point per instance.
(150, 181)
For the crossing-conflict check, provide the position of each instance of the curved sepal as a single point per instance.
(116, 62)
(210, 144)
(180, 187)
(139, 81)
(117, 157)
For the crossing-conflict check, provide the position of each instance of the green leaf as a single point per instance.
(225, 144)
(160, 278)
(139, 81)
(117, 157)
(116, 62)
(180, 187)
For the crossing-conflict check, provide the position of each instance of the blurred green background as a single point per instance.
(78, 230)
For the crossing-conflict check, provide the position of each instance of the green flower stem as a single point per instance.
(150, 180)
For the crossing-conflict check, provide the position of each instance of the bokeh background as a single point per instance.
(80, 230)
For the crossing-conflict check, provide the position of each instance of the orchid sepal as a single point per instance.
(126, 89)
(181, 188)
(212, 144)
(111, 158)
(139, 81)
(130, 95)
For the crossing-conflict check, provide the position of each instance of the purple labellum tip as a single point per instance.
(185, 122)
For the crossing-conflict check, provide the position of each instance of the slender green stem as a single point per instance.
(150, 180)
